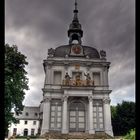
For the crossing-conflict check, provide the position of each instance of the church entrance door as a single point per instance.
(77, 117)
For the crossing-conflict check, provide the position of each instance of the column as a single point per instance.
(107, 116)
(91, 127)
(46, 116)
(65, 116)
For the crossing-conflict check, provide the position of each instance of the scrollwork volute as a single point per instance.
(90, 98)
(49, 65)
(106, 100)
(51, 52)
(47, 99)
(65, 98)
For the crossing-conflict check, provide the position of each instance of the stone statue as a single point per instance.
(88, 79)
(78, 80)
(103, 53)
(67, 78)
(51, 52)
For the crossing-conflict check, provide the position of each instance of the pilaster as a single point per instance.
(65, 116)
(91, 128)
(46, 115)
(107, 116)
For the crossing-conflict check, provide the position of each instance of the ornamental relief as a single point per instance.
(90, 98)
(47, 99)
(64, 98)
(106, 100)
(77, 81)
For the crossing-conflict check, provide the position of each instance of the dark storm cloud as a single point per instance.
(37, 25)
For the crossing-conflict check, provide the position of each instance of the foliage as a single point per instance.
(123, 117)
(113, 111)
(15, 83)
(131, 135)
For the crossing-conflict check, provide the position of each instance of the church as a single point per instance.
(76, 88)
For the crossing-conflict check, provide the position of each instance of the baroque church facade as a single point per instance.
(76, 89)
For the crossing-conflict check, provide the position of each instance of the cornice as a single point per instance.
(71, 62)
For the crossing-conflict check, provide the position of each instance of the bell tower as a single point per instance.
(75, 31)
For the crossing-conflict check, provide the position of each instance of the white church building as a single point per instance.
(76, 89)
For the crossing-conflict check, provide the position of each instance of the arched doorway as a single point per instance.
(25, 132)
(77, 117)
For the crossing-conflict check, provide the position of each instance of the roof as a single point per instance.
(31, 113)
(64, 50)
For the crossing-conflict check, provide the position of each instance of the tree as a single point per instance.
(16, 82)
(123, 117)
(131, 134)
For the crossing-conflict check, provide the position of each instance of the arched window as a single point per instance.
(14, 131)
(27, 114)
(77, 116)
(25, 132)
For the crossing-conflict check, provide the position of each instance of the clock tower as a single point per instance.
(75, 33)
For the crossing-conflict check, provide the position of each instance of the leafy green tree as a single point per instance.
(131, 134)
(123, 117)
(113, 111)
(16, 82)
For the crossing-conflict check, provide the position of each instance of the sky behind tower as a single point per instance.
(37, 25)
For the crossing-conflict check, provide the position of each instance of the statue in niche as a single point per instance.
(88, 79)
(67, 79)
(51, 52)
(78, 80)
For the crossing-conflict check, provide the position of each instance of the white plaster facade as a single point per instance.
(76, 89)
(21, 127)
(28, 121)
(88, 95)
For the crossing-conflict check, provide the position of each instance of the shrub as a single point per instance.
(130, 134)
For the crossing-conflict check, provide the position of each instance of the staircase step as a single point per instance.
(76, 135)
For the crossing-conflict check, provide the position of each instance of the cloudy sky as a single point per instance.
(36, 25)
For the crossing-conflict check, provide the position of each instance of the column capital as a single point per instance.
(47, 99)
(106, 100)
(49, 64)
(65, 98)
(66, 65)
(90, 98)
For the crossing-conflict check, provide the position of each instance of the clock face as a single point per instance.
(76, 49)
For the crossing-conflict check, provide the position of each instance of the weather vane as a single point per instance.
(75, 4)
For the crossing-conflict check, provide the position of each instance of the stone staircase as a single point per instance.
(75, 135)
